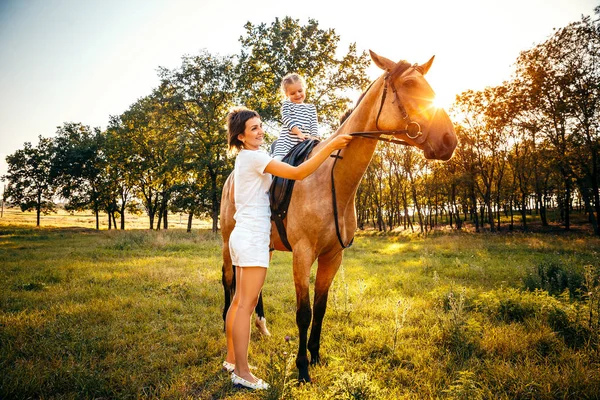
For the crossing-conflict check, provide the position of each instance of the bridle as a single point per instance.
(412, 131)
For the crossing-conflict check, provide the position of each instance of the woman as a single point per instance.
(249, 240)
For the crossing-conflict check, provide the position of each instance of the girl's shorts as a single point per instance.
(248, 248)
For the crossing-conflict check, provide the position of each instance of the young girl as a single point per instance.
(299, 119)
(249, 240)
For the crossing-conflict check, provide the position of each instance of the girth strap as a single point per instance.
(335, 210)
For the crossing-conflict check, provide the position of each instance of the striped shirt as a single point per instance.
(303, 116)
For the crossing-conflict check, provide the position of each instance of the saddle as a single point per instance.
(280, 192)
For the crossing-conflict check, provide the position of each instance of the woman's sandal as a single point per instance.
(240, 382)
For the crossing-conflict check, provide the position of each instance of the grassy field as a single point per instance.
(137, 314)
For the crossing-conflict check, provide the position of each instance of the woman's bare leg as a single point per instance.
(249, 284)
(230, 358)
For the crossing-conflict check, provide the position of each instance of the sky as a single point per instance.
(84, 60)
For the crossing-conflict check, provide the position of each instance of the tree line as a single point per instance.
(530, 144)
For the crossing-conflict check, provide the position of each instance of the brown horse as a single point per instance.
(398, 104)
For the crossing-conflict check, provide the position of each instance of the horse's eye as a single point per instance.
(409, 84)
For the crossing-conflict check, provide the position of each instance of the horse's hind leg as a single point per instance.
(228, 280)
(328, 266)
(260, 321)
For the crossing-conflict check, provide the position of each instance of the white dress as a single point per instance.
(249, 240)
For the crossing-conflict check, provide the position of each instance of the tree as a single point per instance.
(197, 98)
(29, 178)
(151, 151)
(77, 167)
(486, 118)
(270, 52)
(120, 162)
(580, 55)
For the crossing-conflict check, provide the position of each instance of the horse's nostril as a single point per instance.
(448, 140)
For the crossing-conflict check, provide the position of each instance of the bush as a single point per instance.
(574, 334)
(512, 305)
(459, 334)
(355, 386)
(554, 278)
(514, 310)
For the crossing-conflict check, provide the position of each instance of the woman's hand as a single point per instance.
(341, 141)
(303, 170)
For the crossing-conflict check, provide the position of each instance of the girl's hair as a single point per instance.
(236, 124)
(290, 79)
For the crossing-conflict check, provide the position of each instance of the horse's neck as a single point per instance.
(358, 154)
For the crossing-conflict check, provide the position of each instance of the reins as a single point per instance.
(412, 131)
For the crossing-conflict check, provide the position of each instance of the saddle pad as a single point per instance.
(280, 192)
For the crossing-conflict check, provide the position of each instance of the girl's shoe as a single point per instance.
(240, 382)
(227, 366)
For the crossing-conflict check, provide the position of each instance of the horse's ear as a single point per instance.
(382, 62)
(425, 67)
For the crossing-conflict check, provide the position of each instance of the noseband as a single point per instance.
(412, 128)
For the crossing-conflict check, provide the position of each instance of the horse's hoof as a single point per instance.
(303, 378)
(261, 324)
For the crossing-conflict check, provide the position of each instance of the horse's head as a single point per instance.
(407, 105)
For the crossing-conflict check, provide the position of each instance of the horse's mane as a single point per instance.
(401, 64)
(345, 115)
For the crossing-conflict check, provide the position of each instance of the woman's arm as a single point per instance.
(309, 166)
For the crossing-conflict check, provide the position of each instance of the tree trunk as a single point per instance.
(122, 212)
(543, 215)
(38, 208)
(474, 208)
(189, 224)
(567, 204)
(491, 216)
(524, 210)
(215, 220)
(416, 201)
(512, 218)
(159, 222)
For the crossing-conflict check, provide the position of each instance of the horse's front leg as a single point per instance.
(302, 263)
(328, 266)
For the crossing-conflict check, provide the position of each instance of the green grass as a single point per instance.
(137, 314)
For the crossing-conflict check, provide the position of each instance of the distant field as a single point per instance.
(64, 218)
(137, 314)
